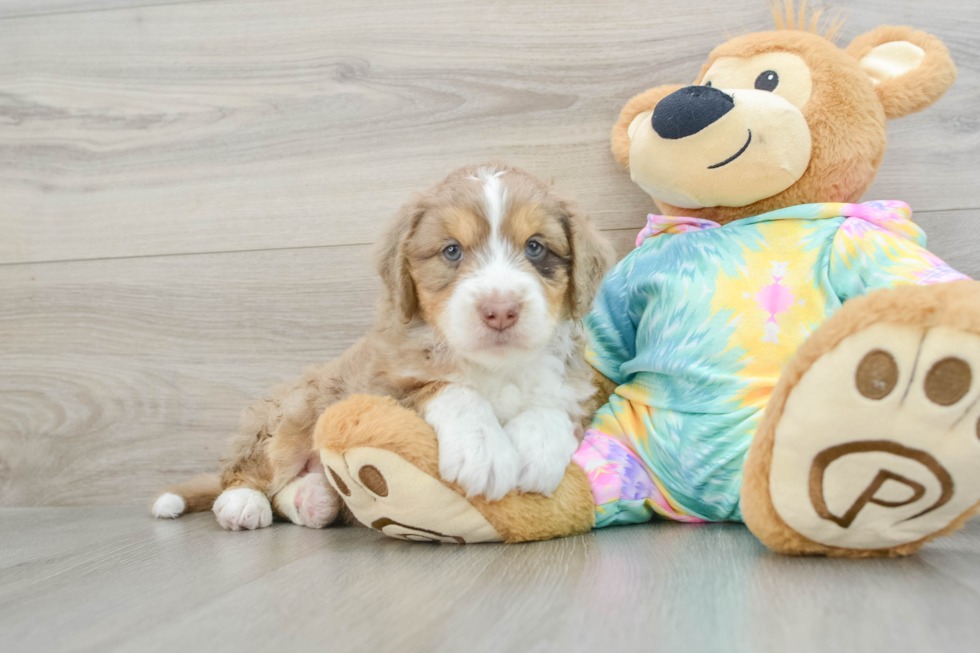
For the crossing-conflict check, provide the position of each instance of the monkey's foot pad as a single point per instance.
(879, 442)
(391, 495)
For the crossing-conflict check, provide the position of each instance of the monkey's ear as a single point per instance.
(909, 68)
(644, 102)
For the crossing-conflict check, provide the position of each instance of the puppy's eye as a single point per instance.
(767, 81)
(534, 250)
(453, 253)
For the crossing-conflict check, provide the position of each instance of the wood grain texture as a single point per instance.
(105, 579)
(244, 124)
(143, 369)
(33, 8)
(188, 189)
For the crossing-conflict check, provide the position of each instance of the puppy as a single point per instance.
(486, 276)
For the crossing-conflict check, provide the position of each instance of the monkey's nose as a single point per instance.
(500, 313)
(688, 110)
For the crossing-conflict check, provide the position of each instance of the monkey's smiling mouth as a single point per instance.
(734, 156)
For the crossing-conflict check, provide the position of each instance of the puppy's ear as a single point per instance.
(592, 256)
(623, 129)
(909, 68)
(392, 259)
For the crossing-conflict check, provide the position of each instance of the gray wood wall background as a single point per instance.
(189, 188)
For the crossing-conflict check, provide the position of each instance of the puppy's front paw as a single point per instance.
(545, 441)
(474, 450)
(242, 508)
(478, 456)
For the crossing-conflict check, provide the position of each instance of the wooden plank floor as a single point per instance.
(105, 580)
(188, 193)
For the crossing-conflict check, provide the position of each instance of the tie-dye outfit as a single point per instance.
(695, 326)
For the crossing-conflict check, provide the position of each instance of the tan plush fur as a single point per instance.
(955, 305)
(379, 422)
(645, 101)
(405, 355)
(846, 112)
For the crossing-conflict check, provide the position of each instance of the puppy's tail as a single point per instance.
(195, 495)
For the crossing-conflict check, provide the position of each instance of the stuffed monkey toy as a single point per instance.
(776, 353)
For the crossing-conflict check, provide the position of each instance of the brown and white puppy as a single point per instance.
(486, 276)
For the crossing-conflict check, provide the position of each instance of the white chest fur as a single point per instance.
(513, 426)
(541, 380)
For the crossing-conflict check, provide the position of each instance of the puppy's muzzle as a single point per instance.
(499, 312)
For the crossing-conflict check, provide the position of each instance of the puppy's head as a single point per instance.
(494, 260)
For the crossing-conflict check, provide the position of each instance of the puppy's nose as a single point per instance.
(499, 313)
(688, 110)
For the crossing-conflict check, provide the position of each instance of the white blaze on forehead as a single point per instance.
(494, 196)
(497, 252)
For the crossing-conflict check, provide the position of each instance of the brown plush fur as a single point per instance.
(955, 305)
(379, 422)
(405, 356)
(846, 112)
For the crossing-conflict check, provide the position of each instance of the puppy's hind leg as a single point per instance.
(308, 499)
(301, 491)
(247, 475)
(242, 508)
(272, 459)
(243, 505)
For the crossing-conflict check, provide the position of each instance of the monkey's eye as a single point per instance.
(534, 250)
(767, 81)
(453, 252)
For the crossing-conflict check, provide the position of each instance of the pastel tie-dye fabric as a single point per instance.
(695, 326)
(622, 487)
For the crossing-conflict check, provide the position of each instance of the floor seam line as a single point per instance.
(224, 251)
(76, 12)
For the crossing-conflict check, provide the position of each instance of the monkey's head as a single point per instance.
(777, 119)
